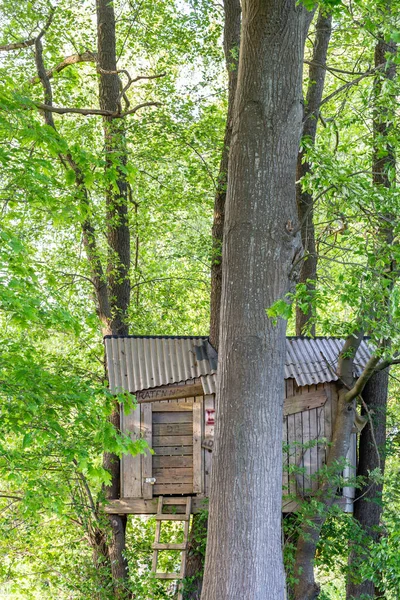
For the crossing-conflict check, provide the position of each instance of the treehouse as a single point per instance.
(174, 380)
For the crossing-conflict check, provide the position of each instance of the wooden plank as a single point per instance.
(313, 452)
(298, 425)
(138, 506)
(307, 401)
(172, 429)
(172, 440)
(165, 517)
(164, 392)
(208, 465)
(131, 466)
(175, 501)
(209, 404)
(173, 451)
(167, 575)
(147, 461)
(164, 462)
(291, 438)
(184, 475)
(157, 534)
(171, 489)
(173, 405)
(289, 387)
(285, 458)
(198, 454)
(169, 546)
(172, 417)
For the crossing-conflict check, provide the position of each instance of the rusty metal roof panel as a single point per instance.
(138, 363)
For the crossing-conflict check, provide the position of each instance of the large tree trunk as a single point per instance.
(367, 507)
(118, 239)
(244, 551)
(316, 81)
(232, 10)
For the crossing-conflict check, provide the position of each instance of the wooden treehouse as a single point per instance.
(174, 380)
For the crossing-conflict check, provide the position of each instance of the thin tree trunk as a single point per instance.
(118, 239)
(244, 553)
(367, 507)
(231, 49)
(305, 201)
(306, 587)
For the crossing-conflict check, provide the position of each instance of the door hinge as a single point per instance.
(150, 480)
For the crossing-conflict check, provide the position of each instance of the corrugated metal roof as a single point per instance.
(310, 361)
(141, 362)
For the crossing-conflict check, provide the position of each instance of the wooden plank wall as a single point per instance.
(312, 425)
(310, 428)
(173, 442)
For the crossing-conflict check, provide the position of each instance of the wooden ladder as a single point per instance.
(157, 546)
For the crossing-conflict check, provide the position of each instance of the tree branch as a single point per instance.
(31, 41)
(93, 111)
(346, 86)
(359, 385)
(69, 60)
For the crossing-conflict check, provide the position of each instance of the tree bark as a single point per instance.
(367, 505)
(232, 11)
(244, 552)
(118, 238)
(306, 587)
(305, 201)
(231, 49)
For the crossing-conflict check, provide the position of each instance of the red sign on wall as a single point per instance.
(210, 416)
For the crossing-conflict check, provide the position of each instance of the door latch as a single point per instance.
(150, 480)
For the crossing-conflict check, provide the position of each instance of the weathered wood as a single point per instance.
(172, 440)
(173, 451)
(169, 392)
(173, 475)
(147, 460)
(171, 489)
(207, 471)
(169, 546)
(131, 466)
(291, 438)
(164, 462)
(138, 506)
(307, 401)
(157, 535)
(198, 452)
(164, 517)
(167, 575)
(173, 405)
(172, 417)
(160, 429)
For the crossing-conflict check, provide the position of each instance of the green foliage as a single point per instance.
(54, 402)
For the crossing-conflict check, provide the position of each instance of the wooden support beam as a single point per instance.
(138, 506)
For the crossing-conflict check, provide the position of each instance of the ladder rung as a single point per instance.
(165, 517)
(168, 575)
(168, 546)
(173, 501)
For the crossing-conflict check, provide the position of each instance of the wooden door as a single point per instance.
(175, 444)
